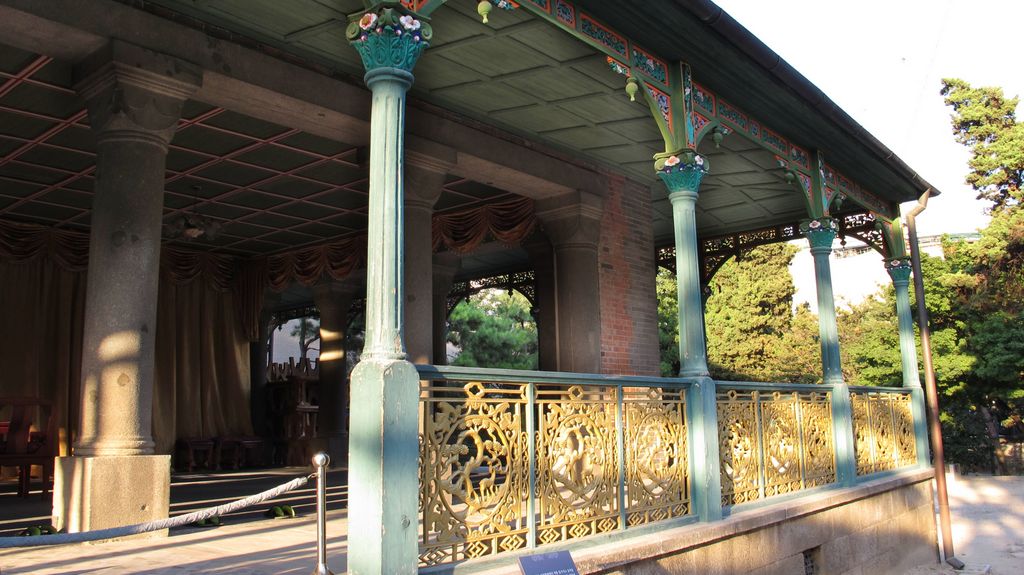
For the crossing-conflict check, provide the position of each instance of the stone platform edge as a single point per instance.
(594, 557)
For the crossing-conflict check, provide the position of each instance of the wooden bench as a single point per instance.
(23, 447)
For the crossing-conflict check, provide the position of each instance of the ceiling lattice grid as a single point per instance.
(272, 188)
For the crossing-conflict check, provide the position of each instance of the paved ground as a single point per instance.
(988, 517)
(988, 525)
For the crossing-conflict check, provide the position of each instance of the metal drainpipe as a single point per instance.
(931, 391)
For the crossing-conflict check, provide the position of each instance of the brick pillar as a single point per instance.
(629, 302)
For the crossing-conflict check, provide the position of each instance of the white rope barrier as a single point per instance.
(111, 533)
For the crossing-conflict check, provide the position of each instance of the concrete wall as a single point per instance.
(629, 307)
(880, 529)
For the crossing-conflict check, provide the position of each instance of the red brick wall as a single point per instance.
(629, 310)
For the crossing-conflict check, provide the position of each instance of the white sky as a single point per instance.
(882, 62)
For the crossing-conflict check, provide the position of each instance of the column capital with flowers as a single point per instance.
(820, 232)
(682, 172)
(899, 270)
(387, 38)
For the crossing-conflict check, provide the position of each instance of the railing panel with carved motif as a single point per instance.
(883, 430)
(657, 461)
(474, 471)
(773, 442)
(519, 459)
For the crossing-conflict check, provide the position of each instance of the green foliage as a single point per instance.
(752, 332)
(985, 121)
(798, 358)
(965, 437)
(668, 322)
(869, 342)
(749, 314)
(494, 329)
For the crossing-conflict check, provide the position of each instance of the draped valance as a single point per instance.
(461, 232)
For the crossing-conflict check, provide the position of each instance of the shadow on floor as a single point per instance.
(192, 492)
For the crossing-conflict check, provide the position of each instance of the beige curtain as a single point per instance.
(41, 311)
(202, 365)
(202, 380)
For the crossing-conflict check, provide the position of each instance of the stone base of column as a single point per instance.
(383, 468)
(92, 493)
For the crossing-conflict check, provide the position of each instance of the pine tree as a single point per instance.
(494, 329)
(985, 121)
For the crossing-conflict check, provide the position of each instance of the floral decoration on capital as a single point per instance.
(389, 38)
(371, 23)
(689, 161)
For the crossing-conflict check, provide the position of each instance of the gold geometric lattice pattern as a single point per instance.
(883, 428)
(577, 462)
(772, 443)
(657, 468)
(474, 471)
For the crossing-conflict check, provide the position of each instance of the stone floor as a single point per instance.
(988, 517)
(247, 543)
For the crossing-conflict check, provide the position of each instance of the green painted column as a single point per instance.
(820, 233)
(682, 177)
(383, 442)
(705, 451)
(899, 270)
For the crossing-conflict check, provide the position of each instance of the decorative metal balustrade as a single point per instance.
(883, 429)
(518, 459)
(773, 442)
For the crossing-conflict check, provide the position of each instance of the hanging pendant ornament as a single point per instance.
(717, 136)
(483, 9)
(632, 86)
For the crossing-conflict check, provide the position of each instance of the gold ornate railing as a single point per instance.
(883, 429)
(512, 461)
(519, 459)
(773, 442)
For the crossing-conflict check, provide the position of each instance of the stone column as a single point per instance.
(446, 265)
(383, 442)
(682, 177)
(334, 299)
(134, 99)
(423, 185)
(820, 234)
(543, 258)
(573, 224)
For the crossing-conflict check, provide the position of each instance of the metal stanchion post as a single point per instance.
(320, 462)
